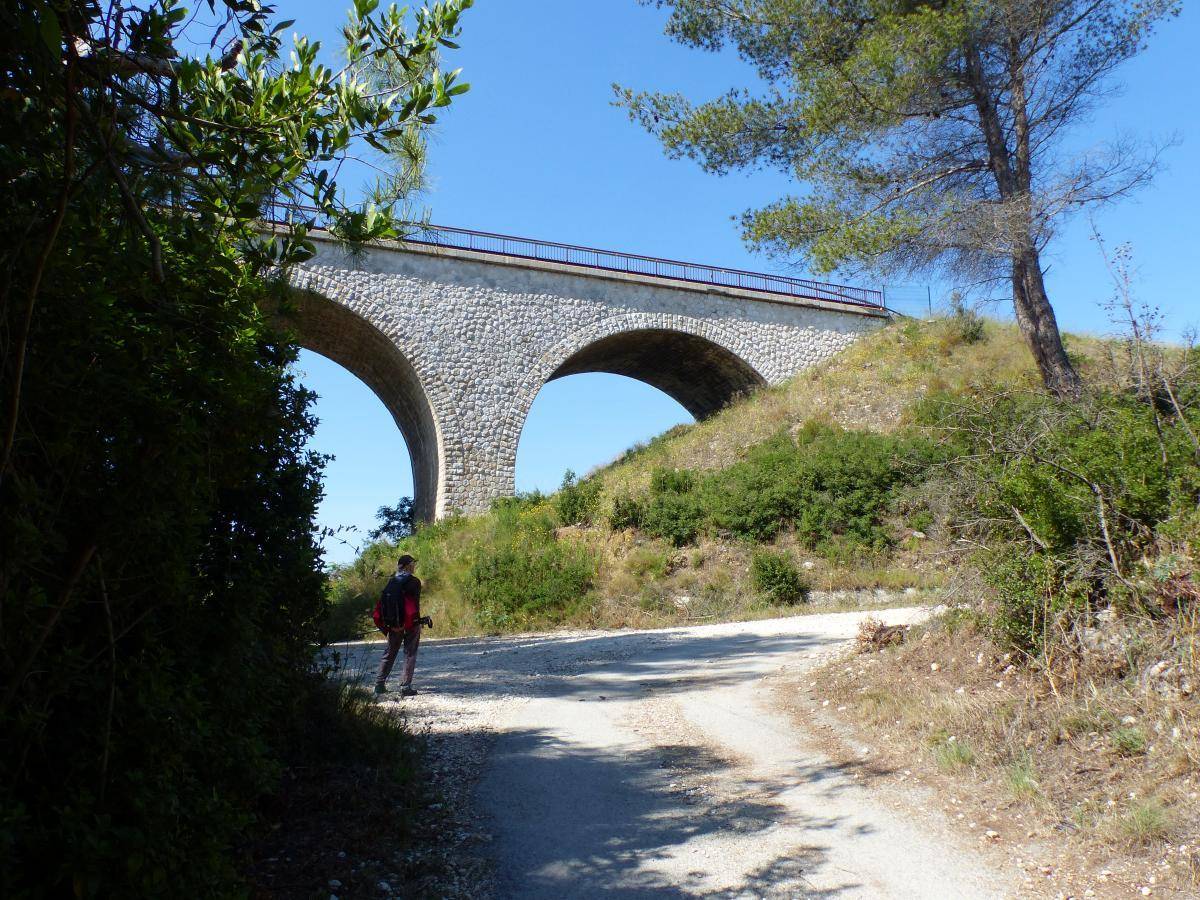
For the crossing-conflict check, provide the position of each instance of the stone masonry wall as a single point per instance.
(482, 336)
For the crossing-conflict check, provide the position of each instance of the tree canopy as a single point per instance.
(160, 577)
(923, 136)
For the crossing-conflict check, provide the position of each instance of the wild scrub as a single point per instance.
(1022, 778)
(160, 578)
(1145, 822)
(950, 753)
(505, 571)
(1084, 504)
(775, 575)
(825, 484)
(577, 502)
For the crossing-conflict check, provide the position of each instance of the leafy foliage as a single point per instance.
(672, 481)
(160, 582)
(925, 135)
(395, 522)
(524, 576)
(775, 574)
(577, 501)
(826, 483)
(674, 511)
(1080, 497)
(627, 512)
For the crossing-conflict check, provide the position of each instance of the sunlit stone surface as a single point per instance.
(457, 345)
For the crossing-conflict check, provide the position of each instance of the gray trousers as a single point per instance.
(395, 641)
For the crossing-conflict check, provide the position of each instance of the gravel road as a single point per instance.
(653, 764)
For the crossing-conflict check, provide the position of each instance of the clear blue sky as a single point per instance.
(536, 149)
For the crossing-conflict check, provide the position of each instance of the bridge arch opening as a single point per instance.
(369, 462)
(340, 335)
(579, 422)
(615, 390)
(698, 373)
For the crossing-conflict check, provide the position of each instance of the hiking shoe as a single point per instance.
(408, 691)
(381, 689)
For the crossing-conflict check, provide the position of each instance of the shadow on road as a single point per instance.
(579, 819)
(620, 665)
(622, 828)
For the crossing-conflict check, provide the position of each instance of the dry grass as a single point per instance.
(1111, 754)
(646, 583)
(872, 385)
(1144, 823)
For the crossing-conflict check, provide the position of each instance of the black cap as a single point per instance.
(405, 560)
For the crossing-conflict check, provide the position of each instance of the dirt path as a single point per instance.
(652, 764)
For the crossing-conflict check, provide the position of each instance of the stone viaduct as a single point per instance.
(457, 333)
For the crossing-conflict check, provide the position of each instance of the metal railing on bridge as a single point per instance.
(633, 264)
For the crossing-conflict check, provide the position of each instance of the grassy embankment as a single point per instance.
(609, 552)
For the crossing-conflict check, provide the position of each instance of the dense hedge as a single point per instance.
(505, 571)
(160, 581)
(160, 576)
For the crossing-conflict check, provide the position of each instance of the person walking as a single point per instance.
(400, 608)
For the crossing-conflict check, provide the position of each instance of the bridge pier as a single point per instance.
(457, 343)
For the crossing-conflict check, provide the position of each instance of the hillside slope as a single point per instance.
(597, 572)
(872, 385)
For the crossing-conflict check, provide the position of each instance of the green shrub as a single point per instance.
(161, 580)
(921, 520)
(829, 483)
(349, 612)
(527, 580)
(522, 501)
(965, 325)
(648, 562)
(677, 518)
(1036, 595)
(1128, 740)
(949, 753)
(755, 499)
(672, 481)
(627, 512)
(775, 575)
(577, 501)
(1022, 778)
(1075, 492)
(1146, 822)
(353, 590)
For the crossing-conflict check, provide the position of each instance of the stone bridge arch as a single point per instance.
(341, 334)
(699, 363)
(458, 342)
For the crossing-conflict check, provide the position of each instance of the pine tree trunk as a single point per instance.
(1035, 316)
(1011, 168)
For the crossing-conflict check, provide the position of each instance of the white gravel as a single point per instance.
(652, 764)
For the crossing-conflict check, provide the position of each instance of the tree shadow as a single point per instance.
(619, 829)
(620, 665)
